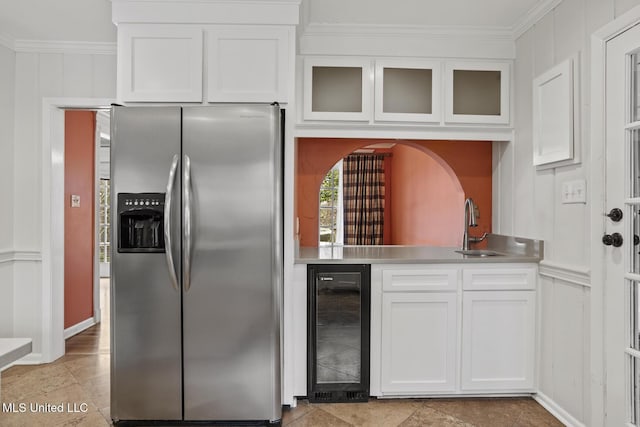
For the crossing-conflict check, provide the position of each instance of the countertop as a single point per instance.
(511, 249)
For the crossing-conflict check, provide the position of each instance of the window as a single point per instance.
(330, 212)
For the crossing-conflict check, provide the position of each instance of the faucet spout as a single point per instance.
(469, 221)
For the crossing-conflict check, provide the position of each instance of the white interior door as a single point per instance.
(622, 262)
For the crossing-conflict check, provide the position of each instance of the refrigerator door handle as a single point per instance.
(187, 206)
(167, 223)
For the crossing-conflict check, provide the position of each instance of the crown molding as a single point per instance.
(532, 17)
(69, 47)
(443, 31)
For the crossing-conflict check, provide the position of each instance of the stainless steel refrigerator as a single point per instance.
(196, 263)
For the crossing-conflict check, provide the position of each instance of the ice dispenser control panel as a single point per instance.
(141, 222)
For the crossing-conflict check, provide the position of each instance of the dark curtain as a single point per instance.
(363, 198)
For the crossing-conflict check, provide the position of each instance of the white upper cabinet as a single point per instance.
(159, 63)
(337, 89)
(407, 91)
(205, 51)
(248, 64)
(382, 91)
(477, 92)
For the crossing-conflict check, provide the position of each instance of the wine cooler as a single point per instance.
(338, 332)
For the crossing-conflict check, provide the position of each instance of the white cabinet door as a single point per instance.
(159, 63)
(419, 336)
(498, 336)
(477, 92)
(337, 89)
(407, 90)
(248, 64)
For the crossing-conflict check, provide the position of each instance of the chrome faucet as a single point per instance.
(469, 221)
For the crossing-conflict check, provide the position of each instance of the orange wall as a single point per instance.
(79, 235)
(426, 200)
(469, 160)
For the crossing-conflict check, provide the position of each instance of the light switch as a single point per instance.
(75, 201)
(574, 191)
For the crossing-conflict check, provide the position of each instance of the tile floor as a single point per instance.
(80, 381)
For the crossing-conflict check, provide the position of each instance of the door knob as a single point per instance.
(614, 239)
(615, 214)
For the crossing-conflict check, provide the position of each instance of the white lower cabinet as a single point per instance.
(498, 336)
(418, 345)
(467, 330)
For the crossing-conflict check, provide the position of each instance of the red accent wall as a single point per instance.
(79, 234)
(443, 162)
(426, 197)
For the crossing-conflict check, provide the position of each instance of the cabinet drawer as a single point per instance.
(499, 279)
(420, 280)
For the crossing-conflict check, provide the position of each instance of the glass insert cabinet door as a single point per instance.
(338, 333)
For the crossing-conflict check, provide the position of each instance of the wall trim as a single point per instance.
(19, 256)
(79, 327)
(69, 47)
(30, 359)
(533, 16)
(568, 273)
(556, 410)
(53, 218)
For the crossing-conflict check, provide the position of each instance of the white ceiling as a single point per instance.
(90, 20)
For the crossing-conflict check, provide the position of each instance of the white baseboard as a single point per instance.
(29, 359)
(79, 327)
(563, 416)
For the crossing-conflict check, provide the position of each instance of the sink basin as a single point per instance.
(479, 252)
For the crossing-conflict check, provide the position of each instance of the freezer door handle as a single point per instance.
(187, 206)
(167, 222)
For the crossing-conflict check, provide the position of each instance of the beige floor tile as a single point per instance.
(429, 417)
(532, 414)
(389, 412)
(71, 407)
(87, 367)
(16, 388)
(319, 418)
(289, 415)
(483, 412)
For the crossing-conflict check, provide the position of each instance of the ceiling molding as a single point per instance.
(532, 17)
(404, 30)
(7, 41)
(69, 47)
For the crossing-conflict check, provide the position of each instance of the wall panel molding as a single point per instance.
(82, 48)
(20, 256)
(568, 273)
